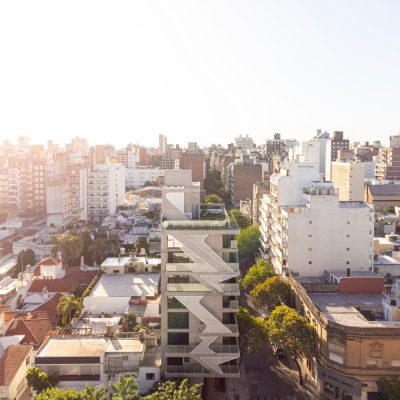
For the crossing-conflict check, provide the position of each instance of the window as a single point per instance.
(178, 338)
(310, 262)
(347, 235)
(309, 249)
(309, 235)
(310, 222)
(348, 222)
(178, 320)
(347, 249)
(347, 262)
(150, 376)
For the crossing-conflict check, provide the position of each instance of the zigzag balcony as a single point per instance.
(217, 349)
(196, 370)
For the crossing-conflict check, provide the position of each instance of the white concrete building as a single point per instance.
(199, 333)
(106, 190)
(137, 177)
(306, 229)
(348, 179)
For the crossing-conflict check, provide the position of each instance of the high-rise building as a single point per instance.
(241, 176)
(196, 163)
(106, 190)
(348, 179)
(388, 165)
(162, 144)
(307, 230)
(199, 292)
(333, 146)
(244, 142)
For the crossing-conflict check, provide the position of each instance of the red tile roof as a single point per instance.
(11, 361)
(74, 276)
(49, 307)
(34, 327)
(49, 261)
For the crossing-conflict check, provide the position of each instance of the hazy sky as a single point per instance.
(120, 71)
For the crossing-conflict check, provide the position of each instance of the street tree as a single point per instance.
(289, 330)
(253, 332)
(89, 393)
(68, 307)
(171, 390)
(125, 388)
(257, 274)
(390, 387)
(248, 243)
(271, 293)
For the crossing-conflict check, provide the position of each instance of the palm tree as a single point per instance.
(69, 307)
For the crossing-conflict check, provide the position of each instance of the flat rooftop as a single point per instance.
(122, 261)
(126, 285)
(124, 346)
(356, 274)
(342, 309)
(73, 347)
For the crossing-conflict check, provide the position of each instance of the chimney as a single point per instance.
(348, 272)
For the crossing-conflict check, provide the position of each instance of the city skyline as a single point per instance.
(197, 72)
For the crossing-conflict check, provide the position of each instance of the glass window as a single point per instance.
(178, 320)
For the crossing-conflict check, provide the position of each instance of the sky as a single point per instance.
(125, 71)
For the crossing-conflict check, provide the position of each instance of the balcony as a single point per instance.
(232, 304)
(187, 287)
(232, 327)
(196, 370)
(230, 287)
(216, 348)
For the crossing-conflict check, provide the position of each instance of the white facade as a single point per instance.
(106, 190)
(137, 177)
(348, 179)
(306, 229)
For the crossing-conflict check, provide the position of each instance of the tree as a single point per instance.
(71, 247)
(289, 330)
(240, 219)
(271, 293)
(100, 248)
(125, 388)
(248, 242)
(212, 198)
(142, 243)
(39, 381)
(256, 274)
(253, 332)
(26, 257)
(68, 307)
(390, 387)
(170, 390)
(55, 393)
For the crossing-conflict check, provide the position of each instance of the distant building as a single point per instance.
(382, 195)
(196, 163)
(348, 179)
(244, 142)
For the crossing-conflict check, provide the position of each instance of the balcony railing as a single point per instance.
(232, 327)
(216, 348)
(196, 369)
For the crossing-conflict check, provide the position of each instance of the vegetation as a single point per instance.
(69, 307)
(39, 381)
(71, 247)
(142, 243)
(257, 274)
(271, 293)
(240, 219)
(171, 390)
(390, 387)
(125, 389)
(248, 243)
(252, 331)
(100, 249)
(289, 330)
(213, 185)
(26, 257)
(55, 393)
(212, 198)
(91, 285)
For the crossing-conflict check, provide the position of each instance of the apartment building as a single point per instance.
(241, 175)
(196, 163)
(105, 191)
(303, 224)
(137, 177)
(388, 165)
(244, 142)
(348, 179)
(199, 267)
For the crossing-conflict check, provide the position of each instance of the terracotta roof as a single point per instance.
(11, 361)
(49, 261)
(385, 189)
(74, 276)
(34, 327)
(9, 315)
(49, 307)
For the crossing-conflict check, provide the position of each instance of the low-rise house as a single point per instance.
(382, 195)
(131, 264)
(49, 268)
(74, 277)
(14, 364)
(96, 360)
(358, 329)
